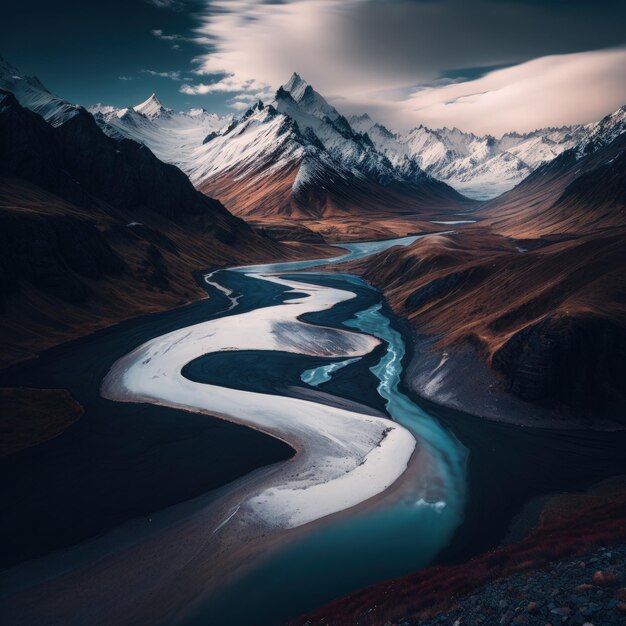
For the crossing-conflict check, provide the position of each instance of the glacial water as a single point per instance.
(318, 375)
(402, 534)
(354, 252)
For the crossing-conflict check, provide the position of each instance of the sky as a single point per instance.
(487, 66)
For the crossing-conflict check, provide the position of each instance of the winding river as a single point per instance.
(377, 487)
(344, 458)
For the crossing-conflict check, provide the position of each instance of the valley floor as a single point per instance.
(489, 443)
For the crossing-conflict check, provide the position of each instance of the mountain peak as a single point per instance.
(150, 107)
(296, 86)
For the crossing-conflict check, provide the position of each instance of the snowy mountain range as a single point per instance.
(298, 154)
(172, 136)
(480, 167)
(298, 130)
(295, 156)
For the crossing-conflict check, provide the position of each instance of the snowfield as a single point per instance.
(343, 457)
(300, 123)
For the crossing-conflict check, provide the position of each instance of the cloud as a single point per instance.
(239, 106)
(227, 84)
(550, 91)
(243, 101)
(175, 75)
(378, 53)
(175, 5)
(173, 37)
(159, 34)
(125, 78)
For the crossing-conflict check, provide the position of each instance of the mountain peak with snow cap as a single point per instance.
(151, 107)
(307, 99)
(296, 86)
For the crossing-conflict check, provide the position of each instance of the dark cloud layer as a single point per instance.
(431, 38)
(365, 54)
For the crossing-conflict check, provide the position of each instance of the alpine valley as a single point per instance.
(292, 366)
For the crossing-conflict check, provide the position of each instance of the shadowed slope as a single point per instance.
(538, 288)
(95, 230)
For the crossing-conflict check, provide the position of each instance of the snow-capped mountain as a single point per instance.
(300, 156)
(152, 108)
(602, 133)
(32, 94)
(481, 167)
(270, 163)
(172, 136)
(315, 117)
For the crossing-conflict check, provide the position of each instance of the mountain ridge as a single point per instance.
(480, 166)
(97, 229)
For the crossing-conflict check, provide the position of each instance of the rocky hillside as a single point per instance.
(536, 290)
(95, 230)
(570, 569)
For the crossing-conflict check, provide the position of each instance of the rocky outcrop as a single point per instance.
(574, 361)
(95, 229)
(570, 591)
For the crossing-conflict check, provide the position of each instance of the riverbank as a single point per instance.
(119, 461)
(129, 578)
(571, 541)
(343, 458)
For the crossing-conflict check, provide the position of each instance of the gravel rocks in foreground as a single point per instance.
(582, 591)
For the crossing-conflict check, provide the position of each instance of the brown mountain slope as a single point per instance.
(339, 208)
(270, 194)
(93, 231)
(538, 288)
(551, 320)
(568, 195)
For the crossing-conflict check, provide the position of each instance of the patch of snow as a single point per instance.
(344, 457)
(31, 94)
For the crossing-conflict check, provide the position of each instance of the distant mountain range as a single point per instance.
(297, 156)
(480, 167)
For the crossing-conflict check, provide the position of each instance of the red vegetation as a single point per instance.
(570, 526)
